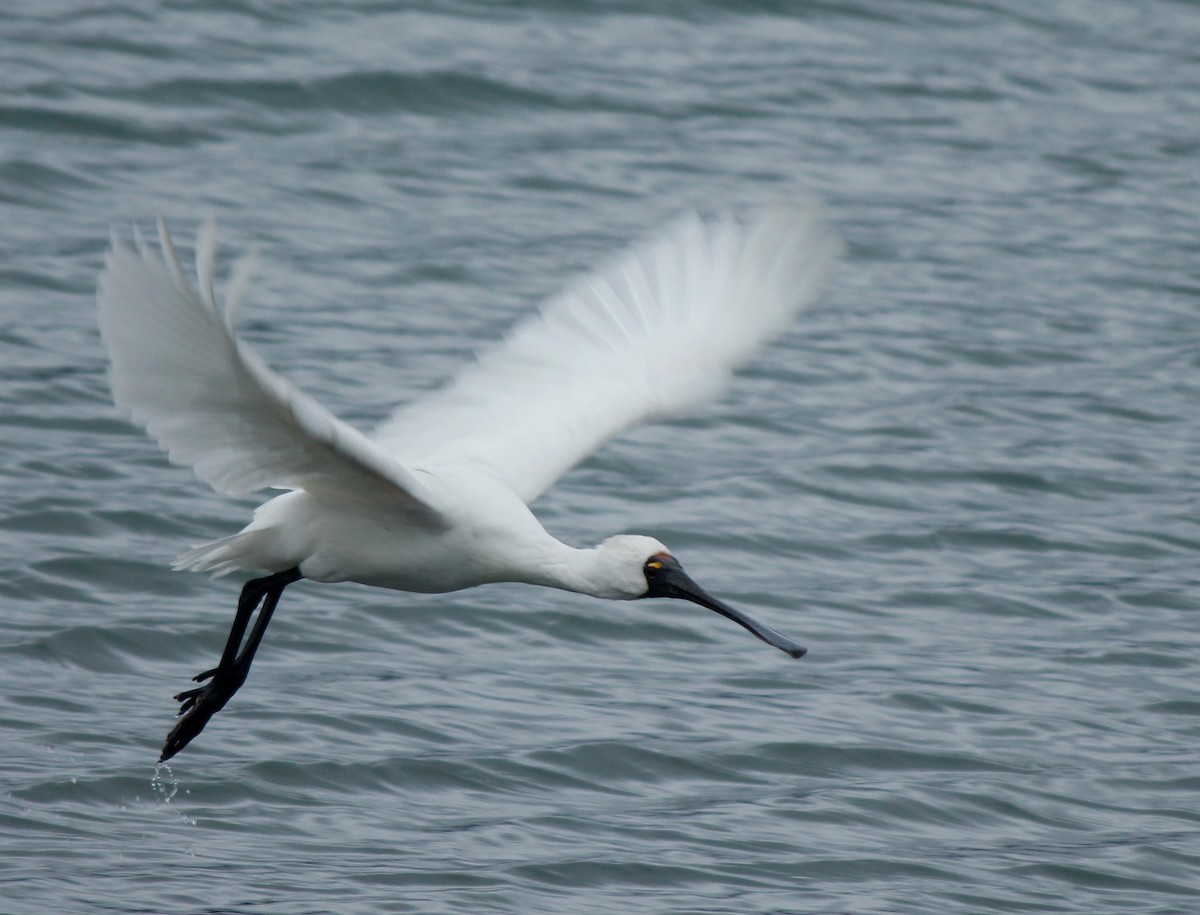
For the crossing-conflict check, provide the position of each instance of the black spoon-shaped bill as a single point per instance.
(665, 578)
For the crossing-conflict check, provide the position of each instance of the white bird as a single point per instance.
(436, 499)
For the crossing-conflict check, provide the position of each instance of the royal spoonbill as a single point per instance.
(436, 498)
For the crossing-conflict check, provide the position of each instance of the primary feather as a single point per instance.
(649, 335)
(210, 401)
(655, 331)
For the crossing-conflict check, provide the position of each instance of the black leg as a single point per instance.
(198, 705)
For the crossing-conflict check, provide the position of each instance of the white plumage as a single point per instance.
(649, 335)
(436, 499)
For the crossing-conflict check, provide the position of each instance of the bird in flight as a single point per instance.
(436, 499)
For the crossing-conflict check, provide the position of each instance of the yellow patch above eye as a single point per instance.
(654, 564)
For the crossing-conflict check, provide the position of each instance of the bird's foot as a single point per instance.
(198, 705)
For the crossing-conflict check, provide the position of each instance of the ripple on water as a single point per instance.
(964, 479)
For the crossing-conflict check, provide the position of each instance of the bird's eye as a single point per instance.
(654, 564)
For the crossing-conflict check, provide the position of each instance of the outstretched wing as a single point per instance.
(211, 401)
(651, 334)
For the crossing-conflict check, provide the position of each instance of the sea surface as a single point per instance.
(968, 478)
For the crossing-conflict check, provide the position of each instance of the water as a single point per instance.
(967, 479)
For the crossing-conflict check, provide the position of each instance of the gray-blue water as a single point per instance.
(967, 479)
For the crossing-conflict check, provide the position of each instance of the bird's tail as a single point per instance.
(229, 554)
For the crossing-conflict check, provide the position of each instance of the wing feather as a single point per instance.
(651, 334)
(211, 401)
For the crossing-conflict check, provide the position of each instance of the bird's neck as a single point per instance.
(586, 571)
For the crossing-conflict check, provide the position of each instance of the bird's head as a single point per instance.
(624, 559)
(641, 567)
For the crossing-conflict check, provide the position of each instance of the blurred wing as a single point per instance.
(653, 333)
(210, 401)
